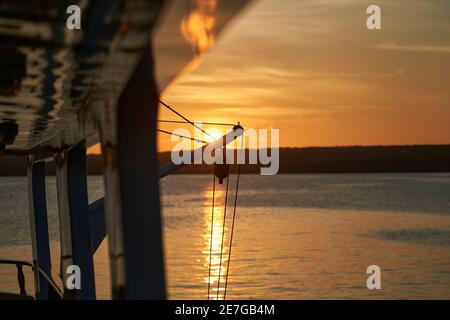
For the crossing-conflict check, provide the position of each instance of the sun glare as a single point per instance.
(214, 134)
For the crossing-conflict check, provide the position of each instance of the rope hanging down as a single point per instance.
(232, 225)
(218, 174)
(211, 236)
(232, 232)
(223, 234)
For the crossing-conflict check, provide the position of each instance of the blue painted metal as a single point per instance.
(65, 238)
(76, 246)
(39, 226)
(80, 219)
(98, 227)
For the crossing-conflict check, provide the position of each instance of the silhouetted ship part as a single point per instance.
(62, 91)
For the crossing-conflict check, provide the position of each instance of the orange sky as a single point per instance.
(312, 69)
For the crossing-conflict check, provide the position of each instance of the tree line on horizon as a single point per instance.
(351, 159)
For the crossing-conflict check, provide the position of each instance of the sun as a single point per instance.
(213, 134)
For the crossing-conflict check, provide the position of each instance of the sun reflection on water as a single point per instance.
(213, 251)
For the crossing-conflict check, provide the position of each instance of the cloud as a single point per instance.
(414, 48)
(313, 65)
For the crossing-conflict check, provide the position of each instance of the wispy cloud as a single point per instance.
(414, 47)
(312, 66)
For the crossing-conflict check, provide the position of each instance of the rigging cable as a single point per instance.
(232, 228)
(184, 118)
(223, 233)
(181, 136)
(212, 231)
(207, 123)
(213, 199)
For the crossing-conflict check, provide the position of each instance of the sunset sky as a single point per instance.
(312, 69)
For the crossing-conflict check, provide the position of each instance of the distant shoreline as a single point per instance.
(351, 159)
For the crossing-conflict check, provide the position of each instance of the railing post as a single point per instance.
(74, 220)
(21, 279)
(132, 205)
(38, 225)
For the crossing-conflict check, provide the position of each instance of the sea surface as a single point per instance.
(295, 236)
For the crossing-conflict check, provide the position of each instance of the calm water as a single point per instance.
(296, 236)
